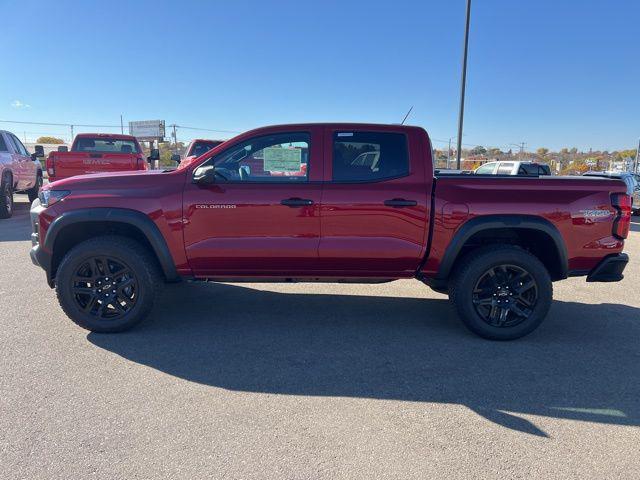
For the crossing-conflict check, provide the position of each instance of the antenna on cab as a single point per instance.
(405, 117)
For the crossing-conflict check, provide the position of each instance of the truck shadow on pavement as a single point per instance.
(583, 363)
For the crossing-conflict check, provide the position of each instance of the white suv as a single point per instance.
(19, 172)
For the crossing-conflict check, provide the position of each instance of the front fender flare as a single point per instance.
(117, 215)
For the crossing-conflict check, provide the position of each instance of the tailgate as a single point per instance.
(68, 164)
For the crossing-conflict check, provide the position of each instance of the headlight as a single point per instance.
(49, 197)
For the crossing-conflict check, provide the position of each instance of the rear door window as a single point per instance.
(3, 145)
(369, 156)
(505, 168)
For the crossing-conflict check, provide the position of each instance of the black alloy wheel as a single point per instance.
(505, 296)
(105, 287)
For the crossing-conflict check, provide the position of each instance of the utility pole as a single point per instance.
(463, 83)
(71, 133)
(521, 147)
(121, 125)
(449, 153)
(175, 138)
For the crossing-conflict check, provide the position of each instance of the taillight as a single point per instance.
(621, 224)
(140, 163)
(51, 166)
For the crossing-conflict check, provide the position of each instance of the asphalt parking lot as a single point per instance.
(315, 381)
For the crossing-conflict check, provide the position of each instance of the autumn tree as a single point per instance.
(542, 151)
(54, 140)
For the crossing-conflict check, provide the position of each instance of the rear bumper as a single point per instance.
(609, 269)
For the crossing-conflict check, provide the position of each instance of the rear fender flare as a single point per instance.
(478, 224)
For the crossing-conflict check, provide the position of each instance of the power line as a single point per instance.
(109, 126)
(205, 129)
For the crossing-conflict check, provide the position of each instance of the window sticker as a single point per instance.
(277, 159)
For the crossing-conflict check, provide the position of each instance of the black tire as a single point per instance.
(497, 279)
(6, 197)
(33, 192)
(108, 283)
(442, 290)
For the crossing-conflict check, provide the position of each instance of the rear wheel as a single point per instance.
(6, 197)
(107, 284)
(501, 292)
(33, 191)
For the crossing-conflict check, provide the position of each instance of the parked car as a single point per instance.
(631, 180)
(95, 153)
(196, 148)
(495, 244)
(513, 168)
(19, 172)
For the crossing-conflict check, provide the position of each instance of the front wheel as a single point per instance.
(107, 284)
(501, 292)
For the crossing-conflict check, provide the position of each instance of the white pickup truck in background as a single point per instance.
(513, 168)
(19, 172)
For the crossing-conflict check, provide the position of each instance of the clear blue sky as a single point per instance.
(550, 73)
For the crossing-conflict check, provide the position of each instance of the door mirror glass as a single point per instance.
(154, 155)
(39, 149)
(204, 175)
(63, 148)
(175, 158)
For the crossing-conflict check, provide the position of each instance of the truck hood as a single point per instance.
(94, 181)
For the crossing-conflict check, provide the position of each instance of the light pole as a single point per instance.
(463, 83)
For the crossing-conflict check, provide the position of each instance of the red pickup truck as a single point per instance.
(368, 208)
(96, 152)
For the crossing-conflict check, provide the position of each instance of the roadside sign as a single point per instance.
(147, 130)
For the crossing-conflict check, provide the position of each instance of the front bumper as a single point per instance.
(609, 269)
(38, 255)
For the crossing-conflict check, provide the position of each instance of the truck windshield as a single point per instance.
(88, 144)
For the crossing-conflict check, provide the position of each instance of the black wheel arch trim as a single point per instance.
(117, 215)
(487, 222)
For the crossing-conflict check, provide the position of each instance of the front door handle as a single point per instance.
(400, 202)
(296, 202)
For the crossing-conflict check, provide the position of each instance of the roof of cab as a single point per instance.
(116, 136)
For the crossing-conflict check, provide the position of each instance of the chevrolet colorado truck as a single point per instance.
(96, 152)
(494, 244)
(19, 172)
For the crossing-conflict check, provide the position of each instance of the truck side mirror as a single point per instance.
(175, 158)
(154, 155)
(204, 175)
(39, 151)
(63, 148)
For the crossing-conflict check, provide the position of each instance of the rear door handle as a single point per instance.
(400, 202)
(296, 202)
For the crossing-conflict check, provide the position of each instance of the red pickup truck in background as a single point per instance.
(367, 208)
(94, 153)
(196, 147)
